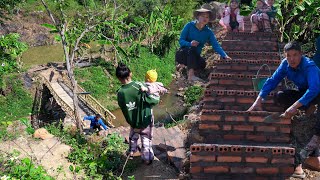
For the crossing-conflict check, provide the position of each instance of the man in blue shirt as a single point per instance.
(306, 76)
(96, 122)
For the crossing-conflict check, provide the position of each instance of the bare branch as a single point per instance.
(49, 13)
(75, 48)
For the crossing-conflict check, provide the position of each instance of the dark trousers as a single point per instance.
(189, 57)
(288, 97)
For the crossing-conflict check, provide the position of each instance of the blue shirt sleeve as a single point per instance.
(183, 37)
(88, 118)
(215, 45)
(102, 124)
(274, 80)
(314, 86)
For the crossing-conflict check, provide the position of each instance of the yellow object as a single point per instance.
(151, 75)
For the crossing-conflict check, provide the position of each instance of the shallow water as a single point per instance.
(42, 55)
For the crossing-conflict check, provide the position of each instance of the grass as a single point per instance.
(18, 102)
(103, 88)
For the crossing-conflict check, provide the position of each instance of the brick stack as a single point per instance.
(237, 144)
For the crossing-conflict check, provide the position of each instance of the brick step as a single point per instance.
(249, 45)
(220, 126)
(236, 100)
(257, 36)
(223, 81)
(251, 55)
(225, 161)
(245, 66)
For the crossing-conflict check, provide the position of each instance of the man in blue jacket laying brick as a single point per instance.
(306, 76)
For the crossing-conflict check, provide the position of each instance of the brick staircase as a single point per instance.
(236, 144)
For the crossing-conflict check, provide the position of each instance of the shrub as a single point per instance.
(193, 94)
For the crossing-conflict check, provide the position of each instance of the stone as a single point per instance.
(42, 133)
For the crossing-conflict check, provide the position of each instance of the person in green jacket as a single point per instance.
(136, 107)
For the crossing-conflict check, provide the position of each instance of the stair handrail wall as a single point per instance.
(60, 101)
(91, 102)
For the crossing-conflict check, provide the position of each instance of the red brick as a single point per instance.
(227, 99)
(195, 148)
(279, 139)
(256, 118)
(287, 170)
(227, 82)
(209, 126)
(285, 130)
(229, 159)
(245, 100)
(195, 169)
(282, 160)
(210, 117)
(224, 67)
(237, 118)
(270, 170)
(256, 159)
(243, 128)
(209, 98)
(197, 158)
(214, 81)
(243, 83)
(237, 68)
(284, 121)
(241, 170)
(266, 128)
(257, 138)
(216, 169)
(232, 137)
(227, 127)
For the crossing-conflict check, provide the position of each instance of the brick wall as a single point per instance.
(240, 144)
(221, 161)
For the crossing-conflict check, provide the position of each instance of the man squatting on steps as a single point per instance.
(136, 107)
(96, 122)
(306, 76)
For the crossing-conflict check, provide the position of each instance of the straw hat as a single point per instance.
(203, 10)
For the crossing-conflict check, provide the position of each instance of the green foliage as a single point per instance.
(27, 123)
(10, 51)
(193, 94)
(165, 66)
(172, 124)
(115, 32)
(299, 19)
(104, 88)
(14, 168)
(17, 102)
(100, 159)
(5, 134)
(9, 5)
(161, 29)
(182, 8)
